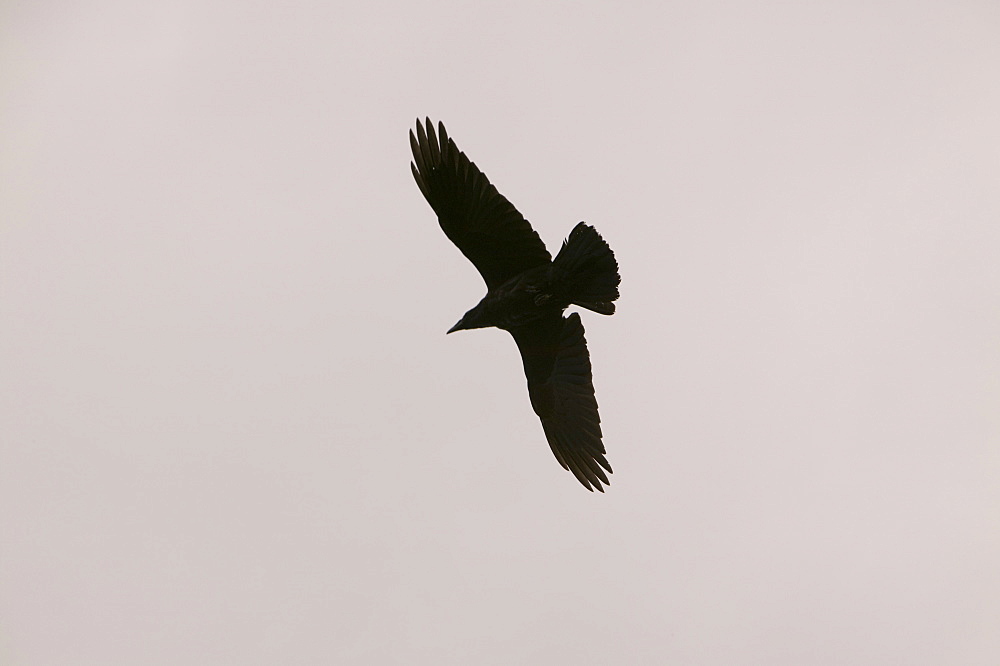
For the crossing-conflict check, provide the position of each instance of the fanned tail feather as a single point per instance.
(586, 270)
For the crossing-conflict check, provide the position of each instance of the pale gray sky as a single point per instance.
(232, 430)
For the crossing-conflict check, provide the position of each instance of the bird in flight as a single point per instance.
(527, 292)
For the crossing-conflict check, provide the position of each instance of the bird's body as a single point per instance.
(519, 301)
(527, 292)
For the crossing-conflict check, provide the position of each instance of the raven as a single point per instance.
(526, 294)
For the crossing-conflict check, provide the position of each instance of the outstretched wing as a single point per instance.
(557, 365)
(478, 219)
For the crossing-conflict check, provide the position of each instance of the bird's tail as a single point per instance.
(586, 270)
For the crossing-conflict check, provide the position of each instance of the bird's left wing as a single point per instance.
(475, 217)
(561, 388)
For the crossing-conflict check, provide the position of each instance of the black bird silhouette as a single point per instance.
(526, 294)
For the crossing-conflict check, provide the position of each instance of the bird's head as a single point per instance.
(474, 318)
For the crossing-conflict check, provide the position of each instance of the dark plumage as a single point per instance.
(526, 294)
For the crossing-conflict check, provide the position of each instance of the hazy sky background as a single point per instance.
(233, 431)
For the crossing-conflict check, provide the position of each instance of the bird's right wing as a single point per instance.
(561, 388)
(478, 219)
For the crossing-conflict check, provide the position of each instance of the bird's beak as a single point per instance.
(457, 327)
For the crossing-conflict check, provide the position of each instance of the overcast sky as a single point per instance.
(233, 431)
